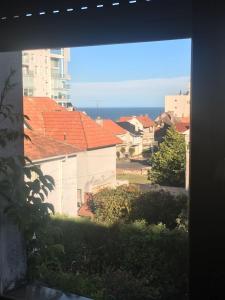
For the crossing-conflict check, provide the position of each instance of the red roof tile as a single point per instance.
(74, 127)
(112, 127)
(144, 120)
(41, 147)
(78, 130)
(125, 119)
(33, 108)
(182, 127)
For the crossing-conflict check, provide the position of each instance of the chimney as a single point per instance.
(99, 121)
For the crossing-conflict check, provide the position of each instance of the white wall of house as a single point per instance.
(136, 123)
(179, 104)
(148, 136)
(64, 172)
(96, 169)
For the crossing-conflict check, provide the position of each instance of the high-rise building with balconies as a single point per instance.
(45, 74)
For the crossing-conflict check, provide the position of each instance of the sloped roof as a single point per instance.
(41, 147)
(33, 107)
(112, 127)
(78, 129)
(130, 128)
(182, 127)
(73, 127)
(144, 120)
(125, 119)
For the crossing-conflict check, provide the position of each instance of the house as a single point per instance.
(96, 160)
(136, 137)
(58, 160)
(119, 132)
(167, 119)
(145, 124)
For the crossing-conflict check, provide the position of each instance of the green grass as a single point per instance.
(133, 178)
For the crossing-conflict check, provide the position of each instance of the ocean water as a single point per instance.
(115, 113)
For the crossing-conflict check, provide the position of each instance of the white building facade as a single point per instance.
(178, 104)
(96, 170)
(45, 74)
(63, 170)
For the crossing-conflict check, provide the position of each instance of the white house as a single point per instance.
(143, 124)
(123, 134)
(136, 137)
(96, 159)
(59, 160)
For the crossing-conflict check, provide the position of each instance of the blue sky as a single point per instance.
(139, 74)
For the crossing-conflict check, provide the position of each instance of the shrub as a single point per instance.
(114, 205)
(123, 150)
(122, 261)
(131, 151)
(118, 154)
(126, 204)
(160, 206)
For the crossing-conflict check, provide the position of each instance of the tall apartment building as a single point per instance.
(45, 74)
(178, 104)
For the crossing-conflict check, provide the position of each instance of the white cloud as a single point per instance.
(147, 92)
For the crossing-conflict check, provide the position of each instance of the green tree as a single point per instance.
(118, 154)
(168, 163)
(131, 151)
(123, 150)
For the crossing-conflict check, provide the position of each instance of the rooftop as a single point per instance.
(113, 127)
(71, 127)
(42, 147)
(144, 120)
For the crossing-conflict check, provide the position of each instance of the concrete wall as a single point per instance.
(179, 104)
(64, 172)
(12, 251)
(96, 168)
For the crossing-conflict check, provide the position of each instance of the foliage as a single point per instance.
(22, 200)
(168, 164)
(131, 151)
(118, 154)
(123, 150)
(114, 205)
(160, 206)
(124, 261)
(127, 204)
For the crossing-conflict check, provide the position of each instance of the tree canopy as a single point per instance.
(168, 163)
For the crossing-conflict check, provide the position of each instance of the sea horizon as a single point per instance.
(115, 113)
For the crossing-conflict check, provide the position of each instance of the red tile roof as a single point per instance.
(182, 127)
(33, 108)
(41, 147)
(78, 130)
(112, 127)
(144, 120)
(125, 119)
(74, 127)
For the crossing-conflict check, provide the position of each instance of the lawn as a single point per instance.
(133, 178)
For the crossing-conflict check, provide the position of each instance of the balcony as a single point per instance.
(28, 80)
